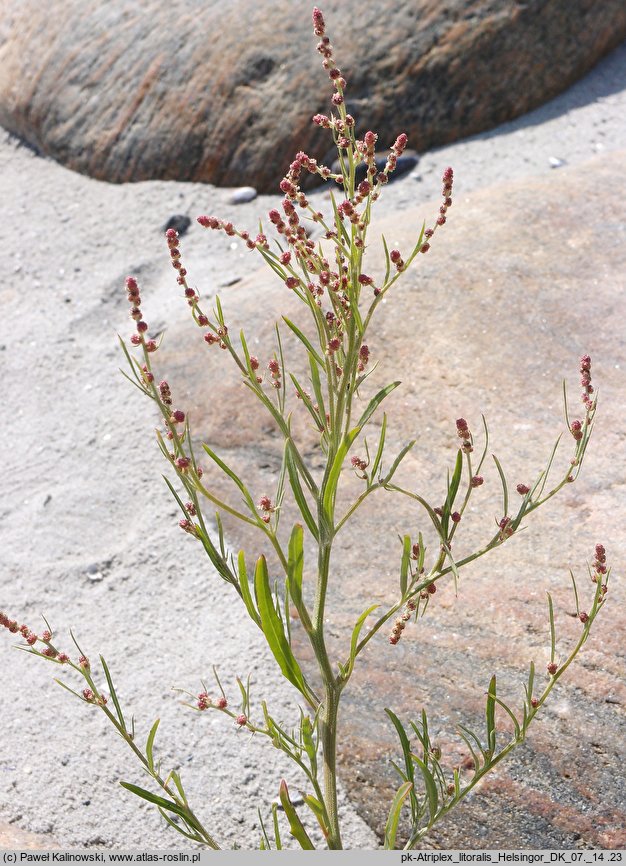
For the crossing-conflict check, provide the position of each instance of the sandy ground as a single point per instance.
(88, 530)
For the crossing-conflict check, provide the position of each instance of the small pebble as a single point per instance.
(556, 162)
(178, 221)
(242, 195)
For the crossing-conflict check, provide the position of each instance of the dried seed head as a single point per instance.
(522, 489)
(477, 480)
(241, 720)
(552, 668)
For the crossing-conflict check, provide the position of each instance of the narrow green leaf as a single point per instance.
(61, 683)
(317, 389)
(453, 486)
(265, 842)
(298, 493)
(549, 466)
(179, 786)
(490, 714)
(168, 805)
(150, 744)
(305, 341)
(116, 703)
(375, 402)
(277, 839)
(505, 491)
(244, 586)
(404, 565)
(571, 574)
(404, 742)
(295, 824)
(306, 732)
(398, 461)
(387, 261)
(391, 827)
(295, 564)
(430, 785)
(232, 475)
(565, 405)
(329, 486)
(318, 810)
(189, 833)
(470, 737)
(486, 446)
(273, 628)
(307, 403)
(380, 449)
(356, 631)
(511, 715)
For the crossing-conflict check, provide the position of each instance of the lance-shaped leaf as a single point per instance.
(330, 483)
(150, 744)
(295, 565)
(391, 827)
(295, 824)
(406, 751)
(490, 715)
(404, 564)
(298, 492)
(305, 341)
(453, 487)
(356, 631)
(116, 703)
(320, 813)
(273, 628)
(244, 586)
(430, 785)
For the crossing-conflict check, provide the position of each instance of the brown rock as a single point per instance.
(225, 92)
(523, 280)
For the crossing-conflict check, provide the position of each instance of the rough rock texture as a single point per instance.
(225, 92)
(525, 278)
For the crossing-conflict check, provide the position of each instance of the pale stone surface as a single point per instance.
(125, 91)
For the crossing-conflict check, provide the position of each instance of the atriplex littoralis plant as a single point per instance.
(340, 301)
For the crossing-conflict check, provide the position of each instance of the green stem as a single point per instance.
(328, 735)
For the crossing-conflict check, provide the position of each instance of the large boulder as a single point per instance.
(523, 280)
(224, 92)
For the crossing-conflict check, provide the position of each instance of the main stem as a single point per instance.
(330, 707)
(328, 733)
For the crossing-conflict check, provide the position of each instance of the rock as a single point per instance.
(487, 322)
(243, 195)
(126, 92)
(556, 162)
(180, 222)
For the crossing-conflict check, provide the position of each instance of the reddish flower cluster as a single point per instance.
(397, 260)
(400, 624)
(462, 431)
(211, 222)
(274, 367)
(364, 356)
(522, 489)
(477, 480)
(506, 530)
(134, 298)
(585, 381)
(600, 571)
(359, 463)
(172, 242)
(266, 506)
(447, 179)
(204, 702)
